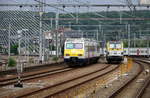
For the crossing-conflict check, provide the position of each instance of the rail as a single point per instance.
(146, 84)
(68, 81)
(115, 93)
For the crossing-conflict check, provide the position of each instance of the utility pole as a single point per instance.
(99, 27)
(69, 25)
(134, 40)
(56, 23)
(103, 41)
(9, 40)
(148, 45)
(40, 35)
(128, 39)
(120, 13)
(97, 35)
(51, 23)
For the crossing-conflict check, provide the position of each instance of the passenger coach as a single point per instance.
(81, 51)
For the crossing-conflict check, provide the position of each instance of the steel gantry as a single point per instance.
(77, 5)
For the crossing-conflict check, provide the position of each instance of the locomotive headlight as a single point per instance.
(79, 54)
(122, 53)
(67, 55)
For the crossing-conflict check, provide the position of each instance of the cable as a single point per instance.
(55, 7)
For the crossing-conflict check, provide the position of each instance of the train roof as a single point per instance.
(80, 39)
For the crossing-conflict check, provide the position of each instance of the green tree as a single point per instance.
(11, 62)
(1, 47)
(52, 47)
(55, 58)
(14, 49)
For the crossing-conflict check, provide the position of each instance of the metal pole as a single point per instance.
(56, 20)
(43, 47)
(51, 23)
(120, 16)
(40, 42)
(103, 42)
(148, 46)
(128, 39)
(100, 30)
(97, 35)
(69, 25)
(9, 40)
(41, 35)
(25, 45)
(97, 41)
(134, 40)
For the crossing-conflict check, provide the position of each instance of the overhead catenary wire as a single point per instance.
(56, 8)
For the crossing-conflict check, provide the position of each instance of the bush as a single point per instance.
(55, 58)
(31, 60)
(11, 62)
(1, 47)
(14, 49)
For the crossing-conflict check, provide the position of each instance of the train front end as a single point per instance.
(115, 51)
(74, 52)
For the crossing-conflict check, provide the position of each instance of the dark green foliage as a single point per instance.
(11, 62)
(52, 47)
(14, 49)
(1, 47)
(55, 58)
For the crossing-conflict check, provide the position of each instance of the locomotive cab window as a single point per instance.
(112, 45)
(118, 46)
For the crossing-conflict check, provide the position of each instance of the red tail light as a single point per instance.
(67, 55)
(79, 54)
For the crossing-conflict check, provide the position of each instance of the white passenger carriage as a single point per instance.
(81, 51)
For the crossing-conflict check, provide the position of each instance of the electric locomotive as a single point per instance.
(114, 51)
(81, 51)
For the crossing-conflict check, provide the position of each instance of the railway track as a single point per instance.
(31, 68)
(144, 91)
(52, 90)
(32, 75)
(126, 86)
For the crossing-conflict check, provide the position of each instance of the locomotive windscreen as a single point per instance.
(115, 45)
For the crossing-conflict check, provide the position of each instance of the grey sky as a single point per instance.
(81, 9)
(66, 1)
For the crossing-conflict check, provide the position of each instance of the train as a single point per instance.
(81, 51)
(138, 52)
(114, 51)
